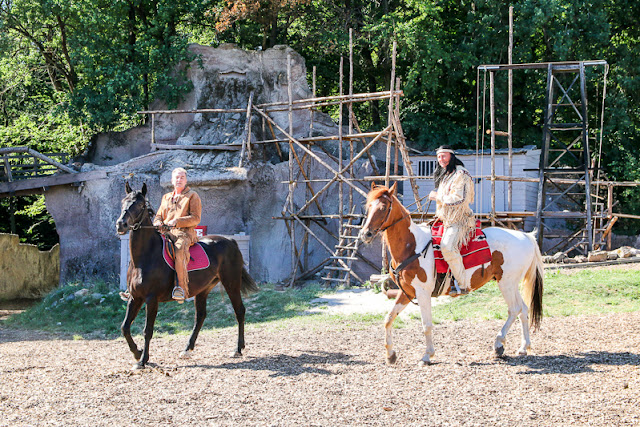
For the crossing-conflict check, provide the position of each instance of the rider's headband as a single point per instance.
(444, 150)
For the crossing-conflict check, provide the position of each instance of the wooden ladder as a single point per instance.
(339, 270)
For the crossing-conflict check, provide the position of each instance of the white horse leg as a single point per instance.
(401, 302)
(424, 300)
(525, 344)
(509, 288)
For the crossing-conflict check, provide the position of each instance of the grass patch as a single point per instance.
(95, 310)
(566, 293)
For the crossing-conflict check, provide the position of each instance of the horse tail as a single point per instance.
(533, 285)
(248, 284)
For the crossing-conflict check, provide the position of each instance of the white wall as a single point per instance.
(524, 194)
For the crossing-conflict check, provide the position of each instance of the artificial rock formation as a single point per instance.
(235, 199)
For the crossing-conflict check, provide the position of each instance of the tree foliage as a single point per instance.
(71, 69)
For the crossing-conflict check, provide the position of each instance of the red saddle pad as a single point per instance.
(475, 253)
(199, 259)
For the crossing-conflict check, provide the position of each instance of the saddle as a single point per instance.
(476, 252)
(198, 257)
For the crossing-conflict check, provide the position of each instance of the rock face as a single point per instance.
(26, 271)
(222, 78)
(235, 199)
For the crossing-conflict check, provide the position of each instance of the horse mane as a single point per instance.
(381, 191)
(149, 208)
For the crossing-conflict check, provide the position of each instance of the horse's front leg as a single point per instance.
(424, 301)
(509, 288)
(401, 302)
(152, 312)
(200, 305)
(133, 307)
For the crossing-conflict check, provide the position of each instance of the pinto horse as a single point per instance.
(515, 258)
(150, 280)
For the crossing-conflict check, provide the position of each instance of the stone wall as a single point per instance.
(27, 272)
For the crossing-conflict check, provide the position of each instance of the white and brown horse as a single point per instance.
(515, 258)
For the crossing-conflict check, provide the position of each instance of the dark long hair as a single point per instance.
(441, 172)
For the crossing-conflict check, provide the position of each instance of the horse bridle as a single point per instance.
(138, 223)
(386, 218)
(396, 271)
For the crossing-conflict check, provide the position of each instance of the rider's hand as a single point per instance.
(172, 223)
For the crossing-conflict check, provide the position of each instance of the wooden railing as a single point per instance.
(20, 163)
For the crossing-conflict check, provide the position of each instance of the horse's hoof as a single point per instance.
(138, 366)
(391, 360)
(423, 362)
(236, 354)
(521, 352)
(500, 351)
(186, 354)
(137, 355)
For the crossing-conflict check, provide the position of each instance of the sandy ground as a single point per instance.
(363, 300)
(582, 370)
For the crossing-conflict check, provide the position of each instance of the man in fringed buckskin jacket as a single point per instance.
(453, 194)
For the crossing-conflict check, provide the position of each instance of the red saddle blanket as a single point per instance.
(475, 253)
(198, 261)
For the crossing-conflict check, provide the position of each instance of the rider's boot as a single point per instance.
(459, 273)
(180, 292)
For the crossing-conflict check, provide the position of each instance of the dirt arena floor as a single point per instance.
(581, 371)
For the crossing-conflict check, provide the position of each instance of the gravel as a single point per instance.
(581, 371)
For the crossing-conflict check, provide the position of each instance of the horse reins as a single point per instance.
(404, 264)
(138, 224)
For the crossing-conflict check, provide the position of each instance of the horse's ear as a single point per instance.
(127, 187)
(373, 185)
(394, 188)
(144, 189)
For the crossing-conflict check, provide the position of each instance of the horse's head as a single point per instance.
(134, 206)
(379, 205)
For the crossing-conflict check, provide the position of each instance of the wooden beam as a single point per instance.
(7, 188)
(219, 147)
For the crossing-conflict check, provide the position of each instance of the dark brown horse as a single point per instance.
(150, 280)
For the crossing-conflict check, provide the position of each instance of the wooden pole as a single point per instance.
(389, 120)
(396, 118)
(609, 211)
(294, 265)
(153, 132)
(350, 105)
(340, 112)
(246, 142)
(493, 146)
(385, 258)
(510, 111)
(312, 109)
(587, 157)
